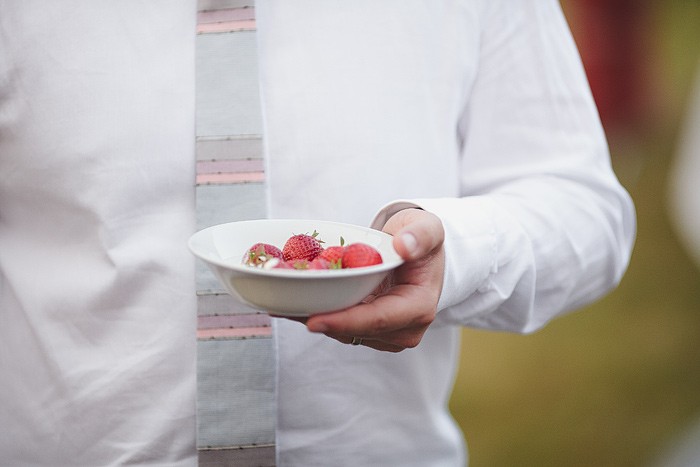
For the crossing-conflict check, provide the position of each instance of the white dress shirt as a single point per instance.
(478, 111)
(475, 110)
(97, 302)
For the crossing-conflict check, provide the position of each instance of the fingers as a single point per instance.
(298, 319)
(392, 322)
(372, 343)
(399, 312)
(416, 233)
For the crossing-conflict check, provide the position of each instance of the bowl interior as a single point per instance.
(226, 244)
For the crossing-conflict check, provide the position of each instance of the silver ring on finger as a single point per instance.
(356, 341)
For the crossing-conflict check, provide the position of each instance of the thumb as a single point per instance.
(416, 233)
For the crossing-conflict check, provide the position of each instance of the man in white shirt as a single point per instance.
(479, 114)
(466, 128)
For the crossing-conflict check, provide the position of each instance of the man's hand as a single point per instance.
(398, 314)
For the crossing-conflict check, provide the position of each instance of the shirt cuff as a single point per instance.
(470, 242)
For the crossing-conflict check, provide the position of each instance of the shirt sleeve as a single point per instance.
(543, 226)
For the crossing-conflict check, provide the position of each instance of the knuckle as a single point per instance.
(382, 324)
(424, 320)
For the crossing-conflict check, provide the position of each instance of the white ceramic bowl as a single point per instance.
(288, 292)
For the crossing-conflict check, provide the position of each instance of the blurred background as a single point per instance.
(618, 383)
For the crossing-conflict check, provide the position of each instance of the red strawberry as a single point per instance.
(259, 253)
(334, 254)
(282, 264)
(299, 264)
(320, 263)
(359, 255)
(302, 246)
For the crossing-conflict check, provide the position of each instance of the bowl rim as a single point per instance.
(306, 274)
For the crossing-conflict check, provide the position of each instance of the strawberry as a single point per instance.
(334, 254)
(302, 246)
(358, 255)
(260, 253)
(299, 263)
(276, 263)
(279, 263)
(320, 263)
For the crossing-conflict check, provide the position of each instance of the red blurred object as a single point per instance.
(613, 38)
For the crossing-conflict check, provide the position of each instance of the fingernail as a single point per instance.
(317, 327)
(410, 242)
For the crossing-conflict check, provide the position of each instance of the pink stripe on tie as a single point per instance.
(230, 20)
(233, 326)
(230, 172)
